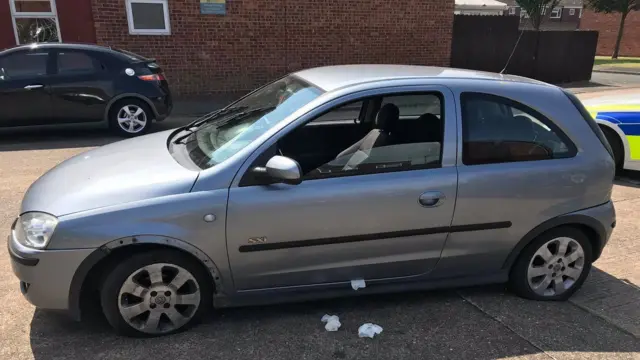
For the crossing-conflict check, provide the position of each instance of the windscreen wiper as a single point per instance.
(238, 116)
(211, 115)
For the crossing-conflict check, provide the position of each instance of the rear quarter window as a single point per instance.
(499, 130)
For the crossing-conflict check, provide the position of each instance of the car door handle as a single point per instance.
(431, 199)
(34, 86)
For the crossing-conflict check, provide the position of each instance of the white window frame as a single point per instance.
(53, 14)
(572, 11)
(558, 13)
(134, 31)
(524, 14)
(512, 10)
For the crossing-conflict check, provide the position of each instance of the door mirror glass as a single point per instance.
(284, 169)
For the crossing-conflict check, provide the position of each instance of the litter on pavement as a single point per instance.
(358, 284)
(333, 322)
(369, 330)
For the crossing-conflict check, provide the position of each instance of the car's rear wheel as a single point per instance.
(156, 293)
(130, 117)
(553, 266)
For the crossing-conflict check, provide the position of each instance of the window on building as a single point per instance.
(512, 11)
(35, 21)
(148, 17)
(524, 14)
(556, 13)
(499, 130)
(572, 12)
(24, 65)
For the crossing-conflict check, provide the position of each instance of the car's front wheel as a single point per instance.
(130, 117)
(553, 266)
(156, 293)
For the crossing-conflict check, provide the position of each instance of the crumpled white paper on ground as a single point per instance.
(333, 322)
(358, 284)
(369, 330)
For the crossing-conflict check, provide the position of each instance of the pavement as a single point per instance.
(628, 70)
(602, 321)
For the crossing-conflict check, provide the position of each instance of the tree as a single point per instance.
(624, 7)
(536, 10)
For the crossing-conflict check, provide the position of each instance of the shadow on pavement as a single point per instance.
(475, 323)
(628, 178)
(70, 137)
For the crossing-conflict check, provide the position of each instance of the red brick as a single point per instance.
(607, 25)
(260, 40)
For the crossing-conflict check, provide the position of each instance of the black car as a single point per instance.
(54, 84)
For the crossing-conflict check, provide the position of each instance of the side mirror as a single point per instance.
(282, 169)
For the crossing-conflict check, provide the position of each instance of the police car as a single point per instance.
(618, 114)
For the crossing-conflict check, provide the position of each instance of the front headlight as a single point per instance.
(35, 229)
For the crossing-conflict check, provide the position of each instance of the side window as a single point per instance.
(414, 106)
(24, 65)
(499, 130)
(344, 114)
(74, 62)
(386, 142)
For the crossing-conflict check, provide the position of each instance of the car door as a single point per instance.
(81, 86)
(388, 219)
(25, 97)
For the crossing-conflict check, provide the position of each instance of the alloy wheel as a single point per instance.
(556, 266)
(159, 298)
(132, 119)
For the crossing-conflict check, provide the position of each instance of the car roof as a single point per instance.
(331, 78)
(69, 46)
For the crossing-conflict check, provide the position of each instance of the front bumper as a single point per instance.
(45, 275)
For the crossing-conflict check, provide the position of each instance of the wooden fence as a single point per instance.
(486, 42)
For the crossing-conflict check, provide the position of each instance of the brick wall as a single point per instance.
(260, 40)
(607, 25)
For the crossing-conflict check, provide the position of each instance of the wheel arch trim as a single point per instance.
(564, 220)
(129, 95)
(105, 250)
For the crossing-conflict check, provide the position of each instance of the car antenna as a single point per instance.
(512, 52)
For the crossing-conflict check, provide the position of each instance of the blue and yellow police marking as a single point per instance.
(627, 118)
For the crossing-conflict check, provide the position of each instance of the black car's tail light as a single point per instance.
(152, 77)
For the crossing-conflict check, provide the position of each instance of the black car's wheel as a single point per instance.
(130, 117)
(553, 266)
(156, 293)
(616, 146)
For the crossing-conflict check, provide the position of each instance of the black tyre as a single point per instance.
(616, 146)
(130, 117)
(553, 266)
(159, 292)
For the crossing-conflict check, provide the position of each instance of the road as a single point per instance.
(601, 322)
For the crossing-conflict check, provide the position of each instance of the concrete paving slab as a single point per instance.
(559, 328)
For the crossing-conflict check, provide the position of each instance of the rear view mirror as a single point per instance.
(282, 169)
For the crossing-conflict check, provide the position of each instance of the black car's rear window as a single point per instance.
(592, 123)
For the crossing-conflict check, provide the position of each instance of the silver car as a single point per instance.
(403, 177)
